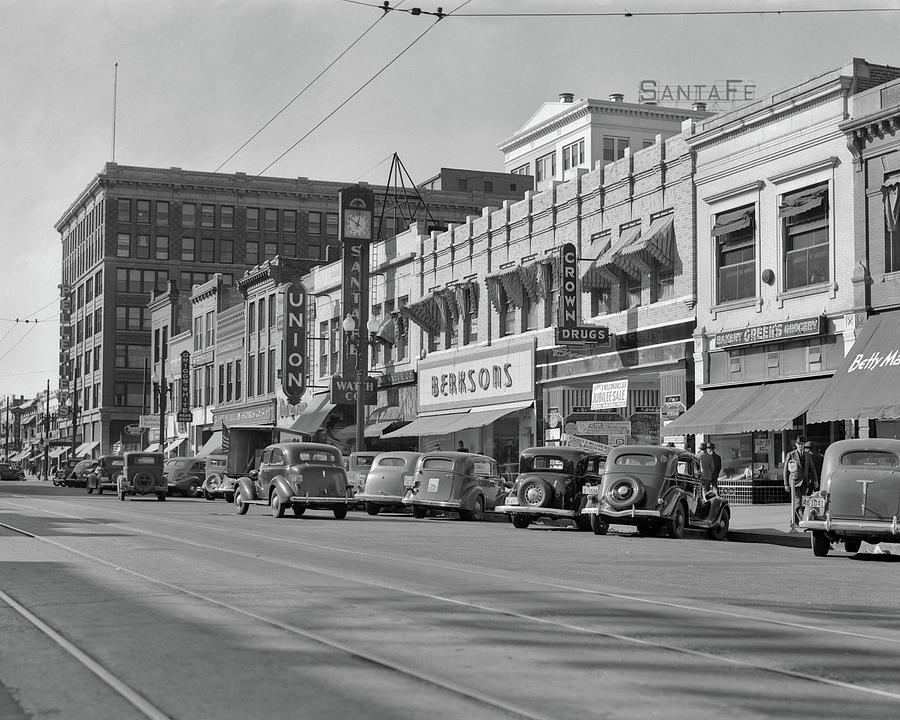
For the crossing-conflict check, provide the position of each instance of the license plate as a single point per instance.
(433, 484)
(814, 502)
(592, 490)
(512, 500)
(408, 482)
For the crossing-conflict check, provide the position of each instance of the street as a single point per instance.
(184, 609)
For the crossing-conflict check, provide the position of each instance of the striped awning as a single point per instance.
(657, 243)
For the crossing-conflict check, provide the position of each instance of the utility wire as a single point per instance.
(359, 89)
(297, 96)
(19, 341)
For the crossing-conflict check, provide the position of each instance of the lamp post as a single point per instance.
(362, 348)
(46, 472)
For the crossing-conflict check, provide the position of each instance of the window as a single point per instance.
(207, 250)
(123, 207)
(208, 380)
(313, 251)
(98, 284)
(323, 349)
(290, 250)
(229, 382)
(331, 223)
(573, 155)
(208, 215)
(261, 314)
(123, 245)
(488, 186)
(226, 251)
(270, 372)
(253, 219)
(143, 211)
(648, 142)
(188, 215)
(261, 373)
(130, 317)
(335, 344)
(315, 222)
(226, 217)
(198, 333)
(252, 252)
(237, 379)
(402, 346)
(545, 167)
(270, 249)
(210, 329)
(88, 325)
(289, 220)
(735, 255)
(805, 217)
(162, 212)
(187, 249)
(142, 247)
(98, 320)
(89, 291)
(665, 281)
(529, 312)
(161, 247)
(221, 384)
(508, 316)
(632, 292)
(551, 304)
(251, 318)
(189, 279)
(271, 220)
(197, 389)
(521, 170)
(461, 184)
(272, 311)
(614, 148)
(251, 372)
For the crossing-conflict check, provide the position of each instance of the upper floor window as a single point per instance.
(123, 207)
(315, 222)
(521, 170)
(161, 247)
(252, 252)
(805, 224)
(123, 245)
(187, 249)
(545, 167)
(143, 211)
(614, 148)
(508, 316)
(210, 329)
(573, 155)
(271, 220)
(735, 246)
(331, 223)
(289, 221)
(252, 219)
(208, 215)
(226, 251)
(188, 214)
(226, 216)
(207, 250)
(162, 212)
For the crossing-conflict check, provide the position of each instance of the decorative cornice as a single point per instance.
(750, 187)
(823, 164)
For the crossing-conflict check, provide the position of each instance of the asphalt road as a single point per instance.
(184, 609)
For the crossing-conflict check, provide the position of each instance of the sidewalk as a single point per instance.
(765, 524)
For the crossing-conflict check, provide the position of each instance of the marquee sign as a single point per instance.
(184, 400)
(357, 207)
(293, 343)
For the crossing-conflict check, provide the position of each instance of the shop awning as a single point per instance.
(174, 444)
(57, 452)
(711, 412)
(729, 222)
(86, 448)
(19, 456)
(213, 446)
(657, 242)
(152, 447)
(774, 406)
(312, 418)
(867, 384)
(445, 423)
(379, 429)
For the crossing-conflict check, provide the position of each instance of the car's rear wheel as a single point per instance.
(372, 508)
(477, 511)
(240, 507)
(193, 489)
(852, 545)
(820, 543)
(583, 522)
(278, 506)
(520, 521)
(161, 496)
(298, 509)
(599, 525)
(535, 493)
(419, 512)
(675, 524)
(339, 513)
(719, 531)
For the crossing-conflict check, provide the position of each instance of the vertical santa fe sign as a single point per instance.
(568, 291)
(293, 348)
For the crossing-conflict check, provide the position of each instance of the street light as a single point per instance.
(362, 346)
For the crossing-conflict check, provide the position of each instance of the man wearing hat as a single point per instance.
(800, 477)
(707, 466)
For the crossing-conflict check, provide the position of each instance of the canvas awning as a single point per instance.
(21, 455)
(314, 415)
(453, 421)
(710, 413)
(801, 202)
(59, 451)
(866, 386)
(174, 444)
(86, 448)
(152, 447)
(729, 222)
(657, 242)
(213, 446)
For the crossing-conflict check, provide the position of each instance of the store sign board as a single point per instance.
(771, 332)
(609, 395)
(568, 291)
(293, 344)
(581, 335)
(185, 414)
(602, 427)
(575, 441)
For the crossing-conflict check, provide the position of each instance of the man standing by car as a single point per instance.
(800, 478)
(717, 465)
(707, 467)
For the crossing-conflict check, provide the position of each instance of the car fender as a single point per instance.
(280, 484)
(245, 485)
(671, 498)
(716, 506)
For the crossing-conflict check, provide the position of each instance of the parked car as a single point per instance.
(142, 474)
(384, 485)
(460, 482)
(358, 466)
(8, 472)
(217, 483)
(858, 498)
(653, 488)
(60, 477)
(550, 484)
(299, 475)
(78, 477)
(103, 477)
(185, 475)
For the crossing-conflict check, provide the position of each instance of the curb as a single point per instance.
(796, 540)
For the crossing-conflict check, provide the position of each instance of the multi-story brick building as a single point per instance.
(133, 230)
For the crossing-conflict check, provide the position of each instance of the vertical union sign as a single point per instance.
(568, 298)
(293, 346)
(184, 404)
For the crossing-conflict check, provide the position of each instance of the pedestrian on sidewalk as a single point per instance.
(717, 466)
(800, 478)
(707, 467)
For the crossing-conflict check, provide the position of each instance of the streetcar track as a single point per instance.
(580, 630)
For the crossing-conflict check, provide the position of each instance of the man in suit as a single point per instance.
(800, 478)
(707, 467)
(717, 465)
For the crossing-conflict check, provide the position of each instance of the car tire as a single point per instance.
(599, 525)
(229, 497)
(277, 505)
(619, 500)
(820, 543)
(90, 491)
(534, 493)
(298, 509)
(339, 513)
(372, 508)
(675, 524)
(99, 491)
(208, 495)
(419, 512)
(520, 521)
(161, 496)
(240, 507)
(193, 489)
(476, 513)
(852, 545)
(719, 531)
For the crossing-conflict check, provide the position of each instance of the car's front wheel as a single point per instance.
(339, 513)
(852, 545)
(477, 511)
(520, 521)
(719, 531)
(419, 512)
(599, 525)
(820, 543)
(675, 524)
(240, 507)
(278, 506)
(372, 508)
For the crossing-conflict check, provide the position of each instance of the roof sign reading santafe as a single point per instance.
(467, 378)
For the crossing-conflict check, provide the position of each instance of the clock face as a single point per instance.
(357, 223)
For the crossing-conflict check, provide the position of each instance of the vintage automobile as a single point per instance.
(142, 474)
(384, 486)
(858, 498)
(358, 465)
(653, 488)
(78, 476)
(8, 472)
(460, 482)
(217, 483)
(103, 477)
(185, 475)
(550, 484)
(60, 477)
(299, 475)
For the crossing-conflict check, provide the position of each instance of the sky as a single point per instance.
(196, 79)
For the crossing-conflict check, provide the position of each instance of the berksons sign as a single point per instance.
(470, 379)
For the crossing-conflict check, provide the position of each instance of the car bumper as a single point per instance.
(380, 499)
(874, 527)
(626, 514)
(323, 501)
(435, 504)
(536, 512)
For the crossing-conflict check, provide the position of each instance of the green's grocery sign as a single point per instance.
(772, 332)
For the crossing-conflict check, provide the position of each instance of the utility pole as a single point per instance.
(74, 408)
(6, 435)
(163, 405)
(46, 472)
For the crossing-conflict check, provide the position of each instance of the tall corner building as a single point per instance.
(132, 230)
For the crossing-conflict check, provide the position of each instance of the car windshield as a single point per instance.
(391, 462)
(362, 460)
(437, 464)
(317, 456)
(551, 463)
(177, 464)
(636, 459)
(870, 458)
(143, 460)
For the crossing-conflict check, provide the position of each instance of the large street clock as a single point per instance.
(358, 220)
